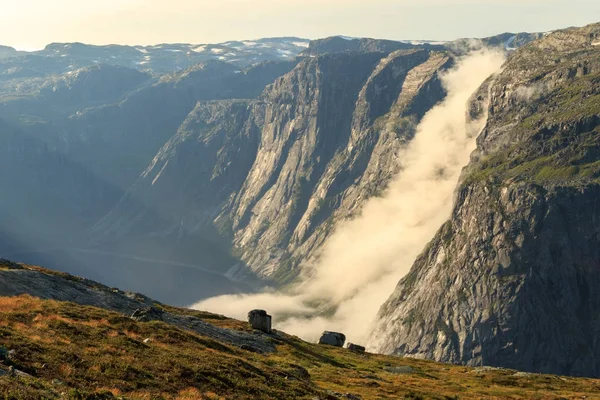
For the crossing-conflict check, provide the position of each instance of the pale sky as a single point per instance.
(31, 24)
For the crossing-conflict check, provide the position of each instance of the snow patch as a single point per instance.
(300, 44)
(217, 51)
(199, 49)
(596, 43)
(144, 51)
(249, 43)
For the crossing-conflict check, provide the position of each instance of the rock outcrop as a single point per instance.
(333, 339)
(259, 319)
(512, 279)
(272, 176)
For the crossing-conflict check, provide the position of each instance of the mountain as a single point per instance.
(59, 58)
(72, 147)
(69, 337)
(187, 171)
(337, 44)
(511, 280)
(274, 175)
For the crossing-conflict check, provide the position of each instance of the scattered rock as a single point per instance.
(482, 370)
(356, 348)
(344, 395)
(20, 374)
(404, 369)
(333, 338)
(147, 314)
(523, 374)
(259, 319)
(12, 354)
(147, 340)
(57, 382)
(11, 371)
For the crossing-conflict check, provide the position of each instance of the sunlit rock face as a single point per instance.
(511, 279)
(274, 175)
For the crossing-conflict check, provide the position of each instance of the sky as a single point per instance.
(31, 24)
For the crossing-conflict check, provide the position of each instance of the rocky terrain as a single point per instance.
(178, 157)
(275, 174)
(511, 280)
(64, 337)
(203, 176)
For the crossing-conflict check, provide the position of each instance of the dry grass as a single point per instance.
(97, 354)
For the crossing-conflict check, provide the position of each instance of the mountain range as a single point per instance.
(190, 171)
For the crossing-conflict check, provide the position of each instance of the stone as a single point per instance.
(356, 348)
(147, 314)
(259, 319)
(400, 370)
(333, 338)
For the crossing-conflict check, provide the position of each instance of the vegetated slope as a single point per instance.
(274, 175)
(90, 348)
(512, 279)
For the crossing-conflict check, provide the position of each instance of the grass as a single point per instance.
(80, 352)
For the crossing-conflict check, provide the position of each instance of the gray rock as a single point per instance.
(145, 314)
(279, 158)
(356, 348)
(333, 338)
(259, 319)
(404, 369)
(511, 279)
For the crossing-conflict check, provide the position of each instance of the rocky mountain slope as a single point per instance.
(72, 147)
(117, 172)
(68, 337)
(274, 175)
(512, 279)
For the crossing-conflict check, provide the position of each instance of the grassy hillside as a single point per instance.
(80, 352)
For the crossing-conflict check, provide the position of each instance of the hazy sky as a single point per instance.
(31, 24)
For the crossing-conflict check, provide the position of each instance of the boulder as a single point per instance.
(147, 314)
(356, 348)
(259, 319)
(333, 338)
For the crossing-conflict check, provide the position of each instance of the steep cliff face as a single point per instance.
(512, 279)
(69, 156)
(340, 151)
(273, 175)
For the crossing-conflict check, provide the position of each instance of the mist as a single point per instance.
(362, 262)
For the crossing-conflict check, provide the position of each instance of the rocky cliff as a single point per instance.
(512, 278)
(274, 175)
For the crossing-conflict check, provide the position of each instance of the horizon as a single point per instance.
(150, 22)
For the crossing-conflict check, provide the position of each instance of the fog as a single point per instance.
(364, 259)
